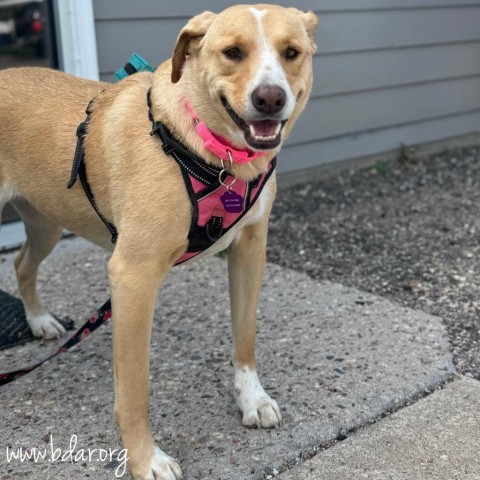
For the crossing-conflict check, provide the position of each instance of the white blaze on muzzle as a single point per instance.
(270, 72)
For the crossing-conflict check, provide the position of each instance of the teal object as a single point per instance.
(135, 64)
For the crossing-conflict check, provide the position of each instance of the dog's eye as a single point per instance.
(291, 53)
(233, 53)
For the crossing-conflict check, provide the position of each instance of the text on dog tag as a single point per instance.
(232, 202)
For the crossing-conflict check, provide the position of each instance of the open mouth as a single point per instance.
(259, 134)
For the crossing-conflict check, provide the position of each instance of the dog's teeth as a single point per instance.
(265, 138)
(260, 138)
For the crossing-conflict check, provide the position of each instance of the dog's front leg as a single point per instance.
(134, 284)
(246, 262)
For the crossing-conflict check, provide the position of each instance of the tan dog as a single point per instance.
(255, 61)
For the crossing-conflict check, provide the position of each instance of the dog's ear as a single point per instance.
(310, 20)
(196, 28)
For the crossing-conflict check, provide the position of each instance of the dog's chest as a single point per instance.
(260, 209)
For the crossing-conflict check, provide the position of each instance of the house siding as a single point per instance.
(386, 73)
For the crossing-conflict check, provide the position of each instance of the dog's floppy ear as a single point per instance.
(310, 20)
(196, 28)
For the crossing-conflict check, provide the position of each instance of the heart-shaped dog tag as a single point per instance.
(232, 202)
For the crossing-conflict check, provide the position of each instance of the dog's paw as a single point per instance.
(162, 467)
(45, 326)
(264, 414)
(259, 410)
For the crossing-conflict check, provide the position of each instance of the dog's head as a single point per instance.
(247, 71)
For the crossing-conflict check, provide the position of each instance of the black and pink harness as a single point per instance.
(219, 200)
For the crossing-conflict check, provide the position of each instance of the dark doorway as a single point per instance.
(27, 38)
(27, 34)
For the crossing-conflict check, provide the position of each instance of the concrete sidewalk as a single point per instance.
(335, 358)
(436, 438)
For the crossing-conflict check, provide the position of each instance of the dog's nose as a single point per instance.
(269, 99)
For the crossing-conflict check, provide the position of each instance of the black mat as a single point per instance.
(14, 329)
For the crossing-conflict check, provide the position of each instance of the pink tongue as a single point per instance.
(265, 128)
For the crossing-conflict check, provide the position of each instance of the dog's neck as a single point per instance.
(171, 110)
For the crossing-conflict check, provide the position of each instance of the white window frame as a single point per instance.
(76, 40)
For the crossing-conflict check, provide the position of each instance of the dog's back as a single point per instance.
(40, 110)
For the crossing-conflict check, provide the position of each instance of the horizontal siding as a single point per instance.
(361, 31)
(378, 70)
(364, 32)
(151, 9)
(382, 70)
(308, 155)
(353, 114)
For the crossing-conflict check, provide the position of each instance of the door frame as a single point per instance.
(76, 48)
(76, 39)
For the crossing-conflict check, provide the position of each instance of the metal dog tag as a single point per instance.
(232, 202)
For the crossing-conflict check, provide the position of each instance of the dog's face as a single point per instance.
(255, 64)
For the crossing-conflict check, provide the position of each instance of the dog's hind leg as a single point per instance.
(42, 236)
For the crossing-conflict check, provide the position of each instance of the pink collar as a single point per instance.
(218, 145)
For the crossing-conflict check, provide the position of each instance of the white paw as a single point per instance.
(162, 467)
(45, 326)
(259, 410)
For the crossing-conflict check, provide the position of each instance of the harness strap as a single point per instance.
(214, 228)
(79, 169)
(79, 154)
(171, 146)
(88, 192)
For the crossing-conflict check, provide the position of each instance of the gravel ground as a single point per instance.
(408, 230)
